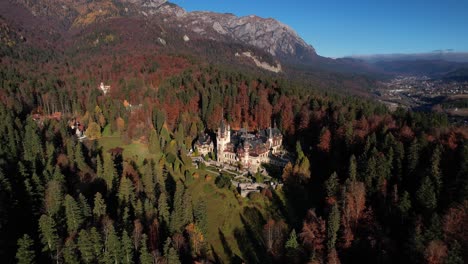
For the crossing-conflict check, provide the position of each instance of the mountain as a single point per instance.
(268, 35)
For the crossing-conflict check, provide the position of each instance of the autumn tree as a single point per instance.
(93, 131)
(313, 234)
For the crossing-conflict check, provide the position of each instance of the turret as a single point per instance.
(270, 137)
(246, 153)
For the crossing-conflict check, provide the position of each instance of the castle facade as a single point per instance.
(248, 149)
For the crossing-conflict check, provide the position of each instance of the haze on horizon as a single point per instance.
(339, 28)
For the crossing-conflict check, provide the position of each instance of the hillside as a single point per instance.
(102, 104)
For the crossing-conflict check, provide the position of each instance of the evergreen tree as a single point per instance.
(85, 246)
(404, 204)
(99, 167)
(163, 209)
(413, 157)
(127, 248)
(73, 214)
(70, 255)
(454, 255)
(25, 253)
(113, 252)
(53, 197)
(292, 245)
(352, 168)
(149, 181)
(96, 240)
(110, 173)
(435, 172)
(187, 209)
(177, 216)
(426, 195)
(145, 256)
(99, 206)
(333, 224)
(332, 185)
(154, 144)
(172, 256)
(79, 158)
(48, 234)
(84, 206)
(32, 146)
(126, 190)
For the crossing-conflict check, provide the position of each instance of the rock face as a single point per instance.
(269, 35)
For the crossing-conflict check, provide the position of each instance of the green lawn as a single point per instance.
(134, 150)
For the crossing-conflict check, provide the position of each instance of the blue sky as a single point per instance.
(357, 27)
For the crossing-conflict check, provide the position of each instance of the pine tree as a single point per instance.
(127, 248)
(352, 168)
(426, 195)
(53, 197)
(332, 185)
(25, 253)
(99, 206)
(96, 240)
(154, 144)
(292, 245)
(126, 190)
(99, 167)
(69, 252)
(435, 172)
(413, 157)
(85, 246)
(79, 158)
(149, 181)
(333, 224)
(84, 206)
(177, 216)
(145, 256)
(172, 256)
(113, 252)
(187, 209)
(404, 204)
(32, 146)
(73, 214)
(48, 233)
(110, 173)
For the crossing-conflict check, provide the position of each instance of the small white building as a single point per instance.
(104, 88)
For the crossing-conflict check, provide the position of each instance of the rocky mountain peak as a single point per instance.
(266, 34)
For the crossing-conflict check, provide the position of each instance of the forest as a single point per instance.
(367, 185)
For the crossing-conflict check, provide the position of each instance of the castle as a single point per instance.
(248, 149)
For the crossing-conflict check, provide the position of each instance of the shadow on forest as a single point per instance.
(227, 250)
(249, 239)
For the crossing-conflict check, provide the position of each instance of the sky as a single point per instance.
(360, 27)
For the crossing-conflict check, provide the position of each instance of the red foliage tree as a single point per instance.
(313, 233)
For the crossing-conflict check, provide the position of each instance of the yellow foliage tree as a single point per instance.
(93, 131)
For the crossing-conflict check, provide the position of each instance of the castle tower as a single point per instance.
(270, 137)
(246, 154)
(223, 138)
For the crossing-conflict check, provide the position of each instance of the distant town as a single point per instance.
(423, 93)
